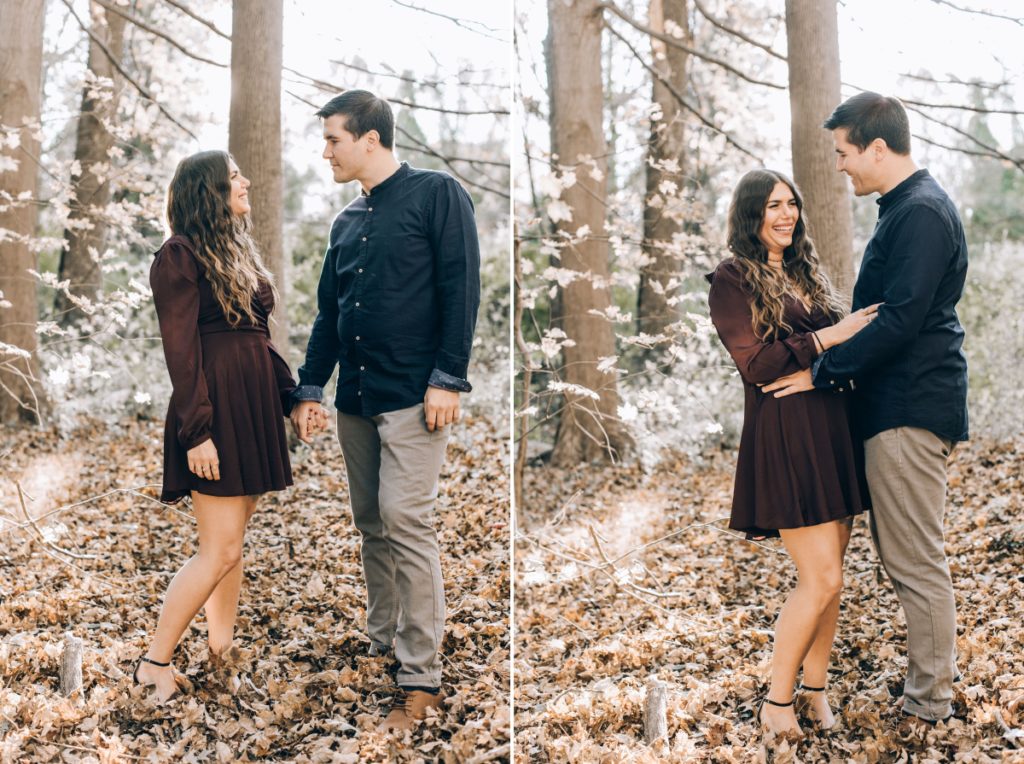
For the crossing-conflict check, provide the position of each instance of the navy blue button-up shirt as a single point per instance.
(398, 295)
(908, 366)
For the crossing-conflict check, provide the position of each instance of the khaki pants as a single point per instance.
(393, 463)
(906, 472)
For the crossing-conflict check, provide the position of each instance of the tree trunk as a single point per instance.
(255, 134)
(587, 429)
(85, 235)
(663, 218)
(21, 72)
(813, 41)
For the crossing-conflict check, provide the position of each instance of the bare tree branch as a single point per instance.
(668, 39)
(736, 33)
(994, 150)
(1017, 21)
(200, 19)
(955, 81)
(117, 65)
(152, 30)
(329, 87)
(958, 149)
(681, 100)
(412, 80)
(960, 107)
(457, 21)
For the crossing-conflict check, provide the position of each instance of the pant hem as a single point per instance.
(911, 707)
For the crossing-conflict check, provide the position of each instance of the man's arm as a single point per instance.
(918, 259)
(456, 248)
(321, 353)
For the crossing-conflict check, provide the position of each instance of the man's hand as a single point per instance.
(798, 382)
(440, 407)
(308, 418)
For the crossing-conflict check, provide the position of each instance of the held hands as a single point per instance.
(849, 326)
(440, 408)
(308, 418)
(203, 460)
(798, 382)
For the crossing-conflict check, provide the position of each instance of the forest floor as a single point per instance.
(298, 685)
(622, 577)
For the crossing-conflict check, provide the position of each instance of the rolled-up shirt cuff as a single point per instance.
(308, 393)
(823, 382)
(446, 381)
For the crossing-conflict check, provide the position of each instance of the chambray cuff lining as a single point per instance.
(308, 393)
(447, 381)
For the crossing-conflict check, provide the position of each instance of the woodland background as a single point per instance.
(99, 100)
(635, 120)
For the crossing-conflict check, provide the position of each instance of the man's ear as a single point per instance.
(879, 148)
(372, 140)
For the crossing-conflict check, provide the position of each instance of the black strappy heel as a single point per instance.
(135, 674)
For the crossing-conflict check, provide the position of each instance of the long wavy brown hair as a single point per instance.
(800, 276)
(199, 208)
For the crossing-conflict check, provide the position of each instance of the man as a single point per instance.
(397, 302)
(910, 377)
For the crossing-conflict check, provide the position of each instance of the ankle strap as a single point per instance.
(812, 689)
(771, 702)
(155, 663)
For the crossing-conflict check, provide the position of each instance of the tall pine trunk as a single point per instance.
(86, 232)
(662, 217)
(21, 72)
(588, 429)
(812, 32)
(255, 134)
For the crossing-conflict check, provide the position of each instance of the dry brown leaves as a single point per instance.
(595, 620)
(298, 685)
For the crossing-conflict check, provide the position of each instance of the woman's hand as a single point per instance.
(203, 460)
(839, 333)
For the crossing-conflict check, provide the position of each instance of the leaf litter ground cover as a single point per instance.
(622, 577)
(297, 685)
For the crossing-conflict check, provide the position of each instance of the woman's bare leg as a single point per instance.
(221, 607)
(221, 522)
(815, 668)
(817, 553)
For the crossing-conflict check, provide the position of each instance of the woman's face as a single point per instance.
(780, 216)
(239, 190)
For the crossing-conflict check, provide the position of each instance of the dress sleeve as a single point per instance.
(174, 279)
(286, 384)
(758, 361)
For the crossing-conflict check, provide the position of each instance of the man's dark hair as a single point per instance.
(867, 116)
(363, 112)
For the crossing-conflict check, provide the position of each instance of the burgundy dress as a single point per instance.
(229, 384)
(798, 462)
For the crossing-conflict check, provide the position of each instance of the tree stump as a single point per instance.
(71, 665)
(655, 712)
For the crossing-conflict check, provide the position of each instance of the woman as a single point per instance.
(799, 473)
(224, 440)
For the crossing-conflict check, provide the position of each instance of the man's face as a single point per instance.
(861, 166)
(346, 154)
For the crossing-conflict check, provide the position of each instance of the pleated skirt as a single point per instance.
(800, 463)
(248, 425)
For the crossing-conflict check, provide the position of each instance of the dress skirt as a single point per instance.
(247, 427)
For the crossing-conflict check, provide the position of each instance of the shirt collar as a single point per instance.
(903, 189)
(390, 180)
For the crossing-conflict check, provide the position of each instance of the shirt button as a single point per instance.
(831, 381)
(364, 238)
(359, 392)
(357, 338)
(357, 304)
(369, 209)
(360, 270)
(362, 368)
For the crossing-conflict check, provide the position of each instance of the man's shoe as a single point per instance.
(410, 706)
